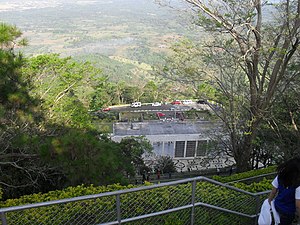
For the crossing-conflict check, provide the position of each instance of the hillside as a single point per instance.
(138, 31)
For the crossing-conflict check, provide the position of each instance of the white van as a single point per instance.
(186, 102)
(136, 104)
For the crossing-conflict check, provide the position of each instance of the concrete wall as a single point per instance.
(164, 145)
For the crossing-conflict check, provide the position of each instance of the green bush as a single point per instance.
(248, 174)
(70, 192)
(140, 203)
(263, 185)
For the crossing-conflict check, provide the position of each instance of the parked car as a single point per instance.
(160, 114)
(202, 102)
(136, 104)
(176, 102)
(156, 104)
(106, 109)
(187, 102)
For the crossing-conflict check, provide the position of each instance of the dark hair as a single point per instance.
(289, 173)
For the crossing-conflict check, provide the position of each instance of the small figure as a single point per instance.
(218, 171)
(158, 174)
(230, 171)
(144, 176)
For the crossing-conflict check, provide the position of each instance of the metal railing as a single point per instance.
(255, 178)
(198, 200)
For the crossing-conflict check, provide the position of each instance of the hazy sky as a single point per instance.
(9, 5)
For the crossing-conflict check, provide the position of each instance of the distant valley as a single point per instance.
(120, 34)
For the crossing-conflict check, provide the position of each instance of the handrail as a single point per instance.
(252, 178)
(125, 191)
(116, 194)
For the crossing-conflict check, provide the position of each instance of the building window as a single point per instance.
(169, 149)
(158, 148)
(190, 149)
(202, 148)
(179, 149)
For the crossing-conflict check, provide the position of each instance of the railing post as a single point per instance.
(3, 218)
(193, 202)
(118, 204)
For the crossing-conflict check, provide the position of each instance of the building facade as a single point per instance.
(188, 143)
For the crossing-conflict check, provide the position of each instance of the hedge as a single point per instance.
(248, 174)
(136, 203)
(144, 202)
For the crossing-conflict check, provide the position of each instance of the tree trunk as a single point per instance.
(244, 149)
(243, 156)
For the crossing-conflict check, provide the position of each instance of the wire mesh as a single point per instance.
(224, 197)
(173, 203)
(182, 217)
(155, 200)
(208, 216)
(86, 212)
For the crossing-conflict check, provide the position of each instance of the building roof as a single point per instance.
(165, 128)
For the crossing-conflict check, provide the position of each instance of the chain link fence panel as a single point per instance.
(186, 202)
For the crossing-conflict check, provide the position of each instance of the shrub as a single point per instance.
(248, 174)
(140, 203)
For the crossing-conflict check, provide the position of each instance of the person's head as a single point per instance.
(289, 172)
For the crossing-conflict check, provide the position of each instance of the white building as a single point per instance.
(186, 142)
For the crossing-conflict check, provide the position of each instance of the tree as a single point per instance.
(119, 89)
(104, 94)
(165, 164)
(185, 67)
(84, 158)
(132, 94)
(65, 87)
(21, 168)
(151, 92)
(133, 149)
(252, 48)
(280, 133)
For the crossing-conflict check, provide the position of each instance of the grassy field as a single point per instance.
(130, 36)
